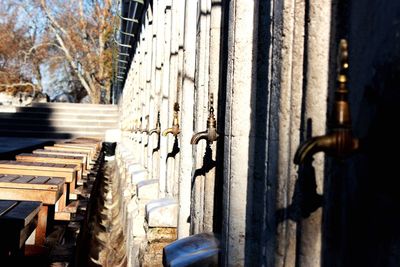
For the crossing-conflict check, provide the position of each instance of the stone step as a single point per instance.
(111, 123)
(52, 128)
(60, 116)
(73, 110)
(68, 105)
(49, 135)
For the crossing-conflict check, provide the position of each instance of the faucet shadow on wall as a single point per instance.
(305, 198)
(208, 164)
(157, 148)
(175, 149)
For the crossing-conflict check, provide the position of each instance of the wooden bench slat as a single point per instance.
(40, 180)
(8, 178)
(6, 205)
(36, 165)
(23, 179)
(22, 213)
(48, 156)
(20, 181)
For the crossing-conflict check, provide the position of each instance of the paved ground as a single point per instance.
(9, 146)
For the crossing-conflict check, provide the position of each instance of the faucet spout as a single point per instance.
(174, 130)
(210, 134)
(154, 131)
(311, 147)
(340, 142)
(198, 136)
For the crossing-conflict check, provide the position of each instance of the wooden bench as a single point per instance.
(65, 153)
(96, 144)
(47, 190)
(18, 219)
(92, 148)
(76, 160)
(88, 151)
(68, 172)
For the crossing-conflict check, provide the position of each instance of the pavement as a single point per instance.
(10, 146)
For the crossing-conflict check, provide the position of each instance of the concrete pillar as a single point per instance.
(159, 50)
(201, 104)
(153, 140)
(214, 86)
(147, 88)
(316, 95)
(239, 136)
(166, 112)
(290, 97)
(179, 12)
(173, 97)
(185, 172)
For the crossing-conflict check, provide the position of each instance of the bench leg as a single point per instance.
(40, 237)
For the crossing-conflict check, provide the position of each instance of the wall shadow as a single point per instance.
(208, 164)
(258, 190)
(27, 129)
(175, 149)
(157, 148)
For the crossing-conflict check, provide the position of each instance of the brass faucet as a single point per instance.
(134, 127)
(175, 123)
(340, 142)
(210, 134)
(146, 130)
(156, 130)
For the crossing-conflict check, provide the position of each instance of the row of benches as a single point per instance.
(39, 182)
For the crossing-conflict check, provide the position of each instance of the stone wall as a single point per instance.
(271, 67)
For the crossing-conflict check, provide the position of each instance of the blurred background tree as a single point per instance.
(57, 46)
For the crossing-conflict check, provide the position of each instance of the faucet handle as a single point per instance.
(343, 61)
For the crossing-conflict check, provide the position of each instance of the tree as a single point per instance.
(20, 57)
(82, 31)
(69, 37)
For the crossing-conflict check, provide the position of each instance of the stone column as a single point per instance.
(185, 172)
(316, 95)
(214, 87)
(166, 112)
(159, 50)
(201, 103)
(149, 90)
(239, 135)
(172, 98)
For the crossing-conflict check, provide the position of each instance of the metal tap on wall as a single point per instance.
(174, 130)
(210, 134)
(156, 130)
(340, 142)
(145, 130)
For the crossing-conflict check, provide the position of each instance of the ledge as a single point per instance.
(162, 213)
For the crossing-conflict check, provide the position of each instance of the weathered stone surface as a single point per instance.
(162, 213)
(147, 190)
(138, 176)
(161, 234)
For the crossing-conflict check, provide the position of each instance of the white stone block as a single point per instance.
(147, 189)
(134, 167)
(162, 213)
(138, 176)
(112, 135)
